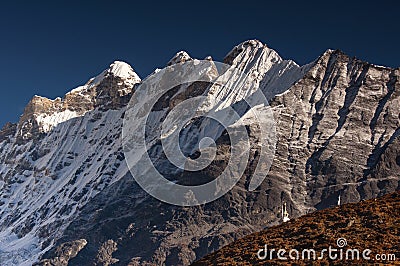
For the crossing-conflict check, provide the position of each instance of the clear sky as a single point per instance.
(48, 48)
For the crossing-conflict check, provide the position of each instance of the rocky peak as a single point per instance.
(249, 49)
(120, 77)
(111, 89)
(179, 57)
(121, 71)
(273, 74)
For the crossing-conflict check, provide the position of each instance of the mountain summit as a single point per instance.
(110, 89)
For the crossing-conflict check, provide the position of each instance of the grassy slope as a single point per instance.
(372, 224)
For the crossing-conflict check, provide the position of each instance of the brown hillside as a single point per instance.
(372, 224)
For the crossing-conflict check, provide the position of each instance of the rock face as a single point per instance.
(335, 124)
(63, 178)
(7, 131)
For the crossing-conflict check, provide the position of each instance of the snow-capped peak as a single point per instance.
(122, 70)
(99, 90)
(248, 49)
(179, 57)
(118, 69)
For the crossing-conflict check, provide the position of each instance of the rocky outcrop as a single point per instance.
(64, 253)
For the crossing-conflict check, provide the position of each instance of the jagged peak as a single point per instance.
(338, 52)
(37, 98)
(329, 52)
(118, 69)
(337, 55)
(249, 47)
(38, 101)
(104, 90)
(253, 43)
(179, 57)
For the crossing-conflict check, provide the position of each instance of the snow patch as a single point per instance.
(48, 122)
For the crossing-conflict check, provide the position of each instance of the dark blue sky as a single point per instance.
(50, 48)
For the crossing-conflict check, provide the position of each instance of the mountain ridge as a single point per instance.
(182, 56)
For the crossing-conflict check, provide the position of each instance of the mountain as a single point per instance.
(47, 161)
(68, 197)
(363, 225)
